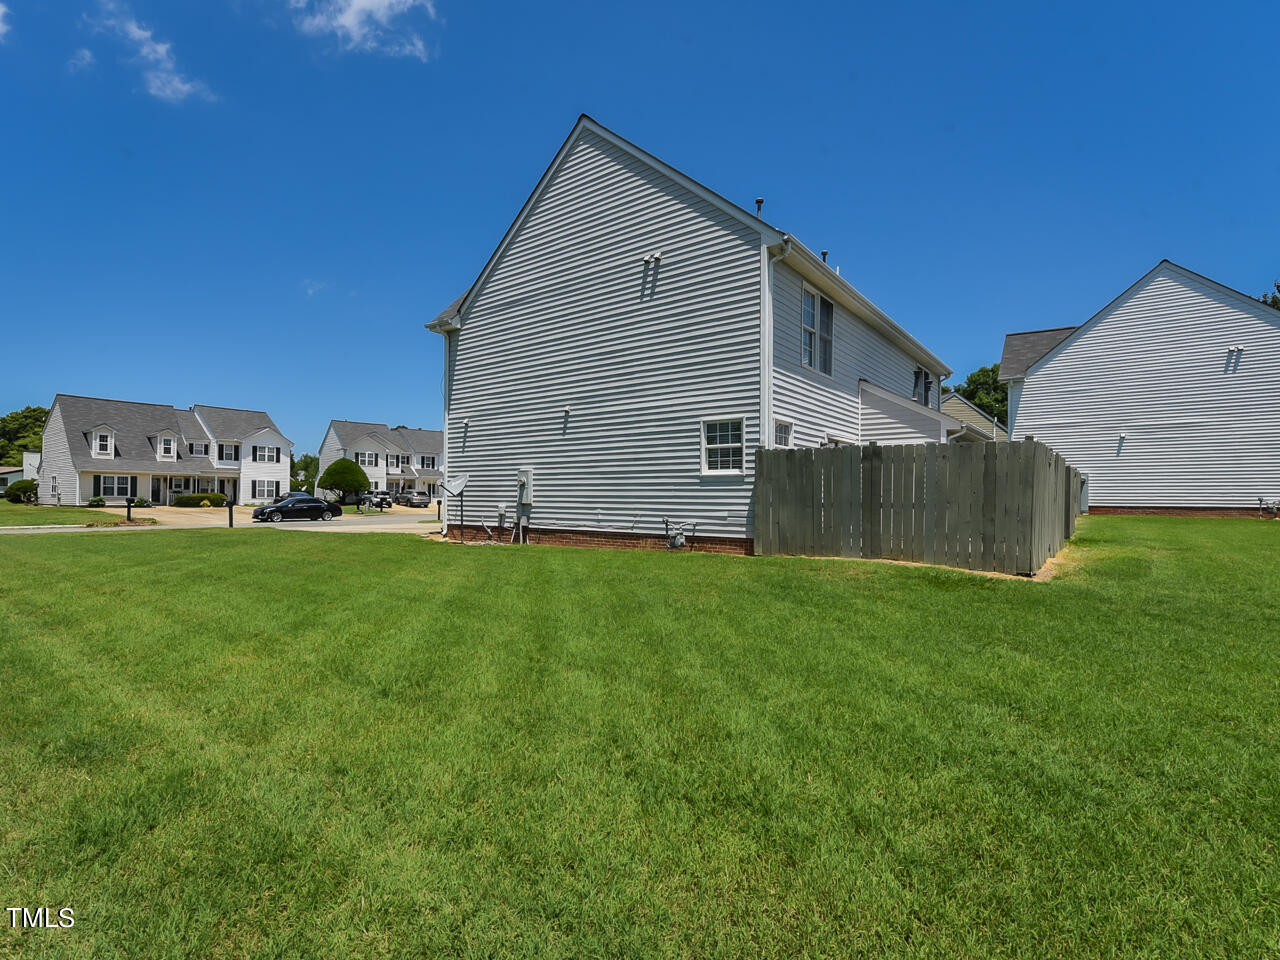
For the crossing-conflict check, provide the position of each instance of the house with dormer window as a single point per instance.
(396, 459)
(114, 449)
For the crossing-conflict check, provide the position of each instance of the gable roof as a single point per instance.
(789, 247)
(191, 429)
(973, 415)
(134, 424)
(229, 423)
(404, 438)
(1021, 350)
(1166, 264)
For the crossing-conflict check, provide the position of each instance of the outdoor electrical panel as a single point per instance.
(524, 478)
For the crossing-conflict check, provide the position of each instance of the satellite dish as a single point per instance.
(453, 487)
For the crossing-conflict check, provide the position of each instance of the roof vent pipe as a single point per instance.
(759, 205)
(824, 256)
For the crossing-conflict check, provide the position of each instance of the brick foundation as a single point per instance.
(613, 539)
(1177, 512)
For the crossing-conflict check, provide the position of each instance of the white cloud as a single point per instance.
(4, 27)
(82, 59)
(159, 66)
(375, 26)
(312, 287)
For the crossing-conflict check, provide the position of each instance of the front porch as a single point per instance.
(164, 489)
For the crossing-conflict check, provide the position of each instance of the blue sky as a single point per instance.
(259, 202)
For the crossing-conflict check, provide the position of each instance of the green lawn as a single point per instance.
(235, 743)
(24, 514)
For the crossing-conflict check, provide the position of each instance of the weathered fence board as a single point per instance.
(989, 506)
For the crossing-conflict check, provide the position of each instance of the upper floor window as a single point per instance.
(166, 446)
(366, 459)
(922, 386)
(817, 332)
(428, 463)
(229, 452)
(722, 447)
(104, 445)
(781, 433)
(266, 454)
(393, 460)
(198, 449)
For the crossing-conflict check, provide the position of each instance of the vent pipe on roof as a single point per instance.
(824, 256)
(759, 205)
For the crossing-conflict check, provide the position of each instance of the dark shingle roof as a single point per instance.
(228, 423)
(134, 424)
(451, 311)
(1021, 350)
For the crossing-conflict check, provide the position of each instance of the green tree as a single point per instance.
(303, 470)
(21, 430)
(1272, 299)
(986, 391)
(22, 491)
(345, 478)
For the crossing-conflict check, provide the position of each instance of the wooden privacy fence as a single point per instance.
(981, 506)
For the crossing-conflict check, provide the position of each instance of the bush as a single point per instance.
(22, 491)
(96, 502)
(143, 502)
(200, 500)
(344, 477)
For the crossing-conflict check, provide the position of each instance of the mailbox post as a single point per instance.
(231, 514)
(128, 509)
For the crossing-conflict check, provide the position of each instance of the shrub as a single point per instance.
(22, 491)
(200, 500)
(96, 502)
(344, 477)
(143, 502)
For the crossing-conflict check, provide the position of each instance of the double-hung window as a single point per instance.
(428, 463)
(115, 486)
(166, 446)
(817, 333)
(229, 452)
(366, 459)
(722, 446)
(104, 444)
(266, 454)
(198, 449)
(262, 489)
(781, 433)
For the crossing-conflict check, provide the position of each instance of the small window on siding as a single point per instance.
(722, 447)
(104, 443)
(166, 447)
(817, 333)
(781, 433)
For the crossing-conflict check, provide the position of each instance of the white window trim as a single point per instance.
(111, 444)
(173, 448)
(816, 330)
(702, 445)
(791, 433)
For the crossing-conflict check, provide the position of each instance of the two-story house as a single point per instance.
(1165, 399)
(397, 459)
(120, 448)
(634, 338)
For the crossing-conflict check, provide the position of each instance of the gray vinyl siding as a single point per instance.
(887, 422)
(820, 406)
(1154, 367)
(55, 461)
(570, 316)
(330, 450)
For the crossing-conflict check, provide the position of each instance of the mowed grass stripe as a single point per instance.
(232, 744)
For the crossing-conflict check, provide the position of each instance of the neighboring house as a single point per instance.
(9, 475)
(978, 425)
(635, 337)
(118, 448)
(397, 459)
(1167, 399)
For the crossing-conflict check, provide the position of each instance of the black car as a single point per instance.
(291, 494)
(301, 507)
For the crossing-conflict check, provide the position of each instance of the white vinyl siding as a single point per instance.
(268, 462)
(55, 461)
(821, 407)
(888, 421)
(572, 335)
(1201, 429)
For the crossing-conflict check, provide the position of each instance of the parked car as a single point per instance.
(304, 507)
(291, 494)
(378, 498)
(416, 498)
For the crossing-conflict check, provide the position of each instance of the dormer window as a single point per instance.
(166, 447)
(102, 443)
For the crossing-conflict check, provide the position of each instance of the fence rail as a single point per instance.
(980, 506)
